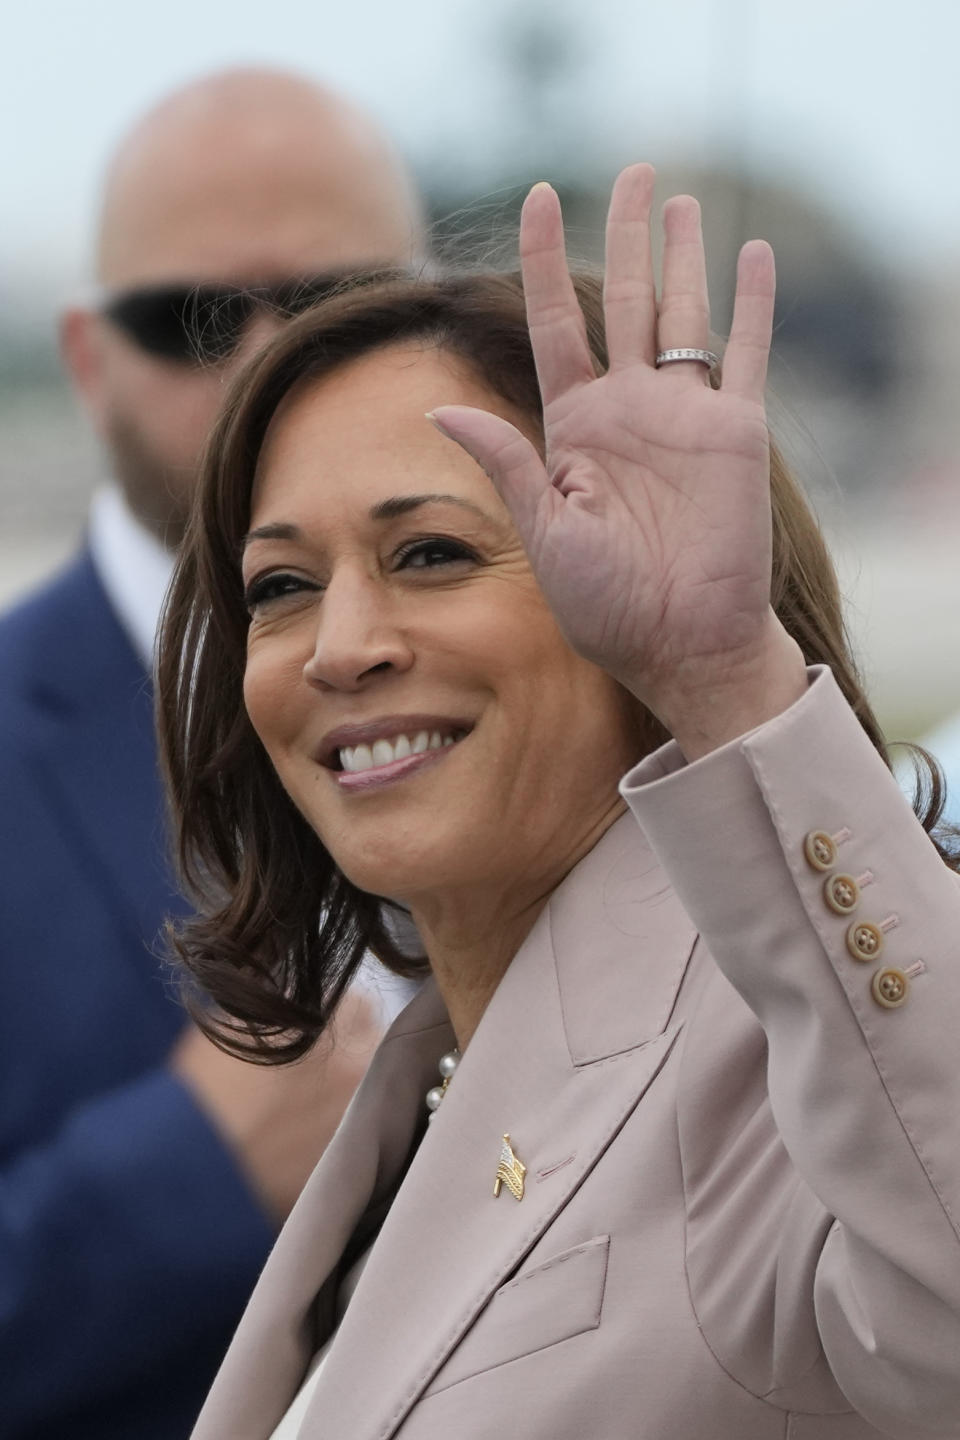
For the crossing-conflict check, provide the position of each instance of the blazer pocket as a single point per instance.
(553, 1301)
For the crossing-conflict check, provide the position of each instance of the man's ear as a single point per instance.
(82, 353)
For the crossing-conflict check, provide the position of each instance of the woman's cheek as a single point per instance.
(262, 696)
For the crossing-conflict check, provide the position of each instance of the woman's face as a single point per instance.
(403, 671)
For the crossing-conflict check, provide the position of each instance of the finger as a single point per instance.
(629, 292)
(748, 349)
(684, 320)
(508, 458)
(558, 333)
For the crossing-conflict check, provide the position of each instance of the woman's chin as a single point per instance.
(399, 878)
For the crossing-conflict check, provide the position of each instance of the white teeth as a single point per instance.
(382, 752)
(385, 752)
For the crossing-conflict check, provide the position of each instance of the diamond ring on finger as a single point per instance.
(701, 357)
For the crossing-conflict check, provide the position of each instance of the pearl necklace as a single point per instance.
(447, 1067)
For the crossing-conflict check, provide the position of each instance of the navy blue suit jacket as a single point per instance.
(128, 1239)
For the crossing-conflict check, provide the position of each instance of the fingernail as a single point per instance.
(541, 185)
(437, 424)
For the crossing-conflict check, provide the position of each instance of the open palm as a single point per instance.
(648, 525)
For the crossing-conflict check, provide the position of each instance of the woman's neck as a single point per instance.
(471, 936)
(469, 961)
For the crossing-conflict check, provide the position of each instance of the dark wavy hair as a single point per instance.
(278, 930)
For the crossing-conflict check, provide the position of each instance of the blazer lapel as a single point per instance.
(290, 1308)
(575, 1033)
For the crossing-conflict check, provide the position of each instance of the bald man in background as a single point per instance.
(143, 1173)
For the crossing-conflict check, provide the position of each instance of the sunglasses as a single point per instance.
(204, 323)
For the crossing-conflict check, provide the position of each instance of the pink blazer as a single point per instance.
(734, 1079)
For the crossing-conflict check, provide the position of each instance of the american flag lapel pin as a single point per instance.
(510, 1171)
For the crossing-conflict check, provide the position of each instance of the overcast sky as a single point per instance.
(857, 98)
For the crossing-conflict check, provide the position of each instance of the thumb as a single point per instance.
(507, 457)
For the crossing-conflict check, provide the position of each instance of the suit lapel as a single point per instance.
(361, 1167)
(538, 1069)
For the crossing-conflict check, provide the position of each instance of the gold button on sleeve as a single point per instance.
(864, 941)
(819, 850)
(842, 894)
(890, 988)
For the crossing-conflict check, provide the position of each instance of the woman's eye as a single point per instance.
(429, 554)
(274, 587)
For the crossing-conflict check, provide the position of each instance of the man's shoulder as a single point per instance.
(63, 639)
(68, 609)
(41, 613)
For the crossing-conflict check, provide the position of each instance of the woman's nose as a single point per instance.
(357, 636)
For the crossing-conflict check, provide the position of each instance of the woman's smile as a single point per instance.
(365, 757)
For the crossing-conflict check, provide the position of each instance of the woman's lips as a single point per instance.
(380, 775)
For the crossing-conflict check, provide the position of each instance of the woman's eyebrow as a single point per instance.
(385, 510)
(403, 504)
(272, 532)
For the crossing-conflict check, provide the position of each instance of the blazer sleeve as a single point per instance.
(826, 906)
(126, 1240)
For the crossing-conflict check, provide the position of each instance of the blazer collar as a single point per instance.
(576, 1031)
(621, 942)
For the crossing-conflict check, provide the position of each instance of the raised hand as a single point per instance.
(648, 523)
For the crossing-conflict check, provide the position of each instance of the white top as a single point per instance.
(289, 1427)
(134, 568)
